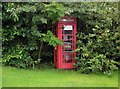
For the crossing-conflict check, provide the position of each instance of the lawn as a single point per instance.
(50, 77)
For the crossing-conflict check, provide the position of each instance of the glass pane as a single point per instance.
(67, 32)
(67, 57)
(67, 37)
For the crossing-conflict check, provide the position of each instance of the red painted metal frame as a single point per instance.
(58, 51)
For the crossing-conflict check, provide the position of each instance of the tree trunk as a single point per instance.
(39, 54)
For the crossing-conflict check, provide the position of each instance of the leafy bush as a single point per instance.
(25, 28)
(97, 51)
(18, 56)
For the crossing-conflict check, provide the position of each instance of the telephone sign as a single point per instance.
(68, 27)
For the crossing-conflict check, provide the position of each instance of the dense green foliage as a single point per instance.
(98, 40)
(97, 51)
(25, 27)
(98, 36)
(27, 33)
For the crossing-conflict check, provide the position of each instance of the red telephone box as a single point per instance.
(64, 55)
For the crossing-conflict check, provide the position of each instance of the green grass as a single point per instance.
(13, 77)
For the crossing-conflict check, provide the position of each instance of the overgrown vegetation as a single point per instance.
(98, 40)
(25, 28)
(97, 51)
(27, 33)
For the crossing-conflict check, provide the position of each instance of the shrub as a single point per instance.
(18, 56)
(97, 51)
(25, 28)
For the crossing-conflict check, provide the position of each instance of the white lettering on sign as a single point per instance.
(68, 27)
